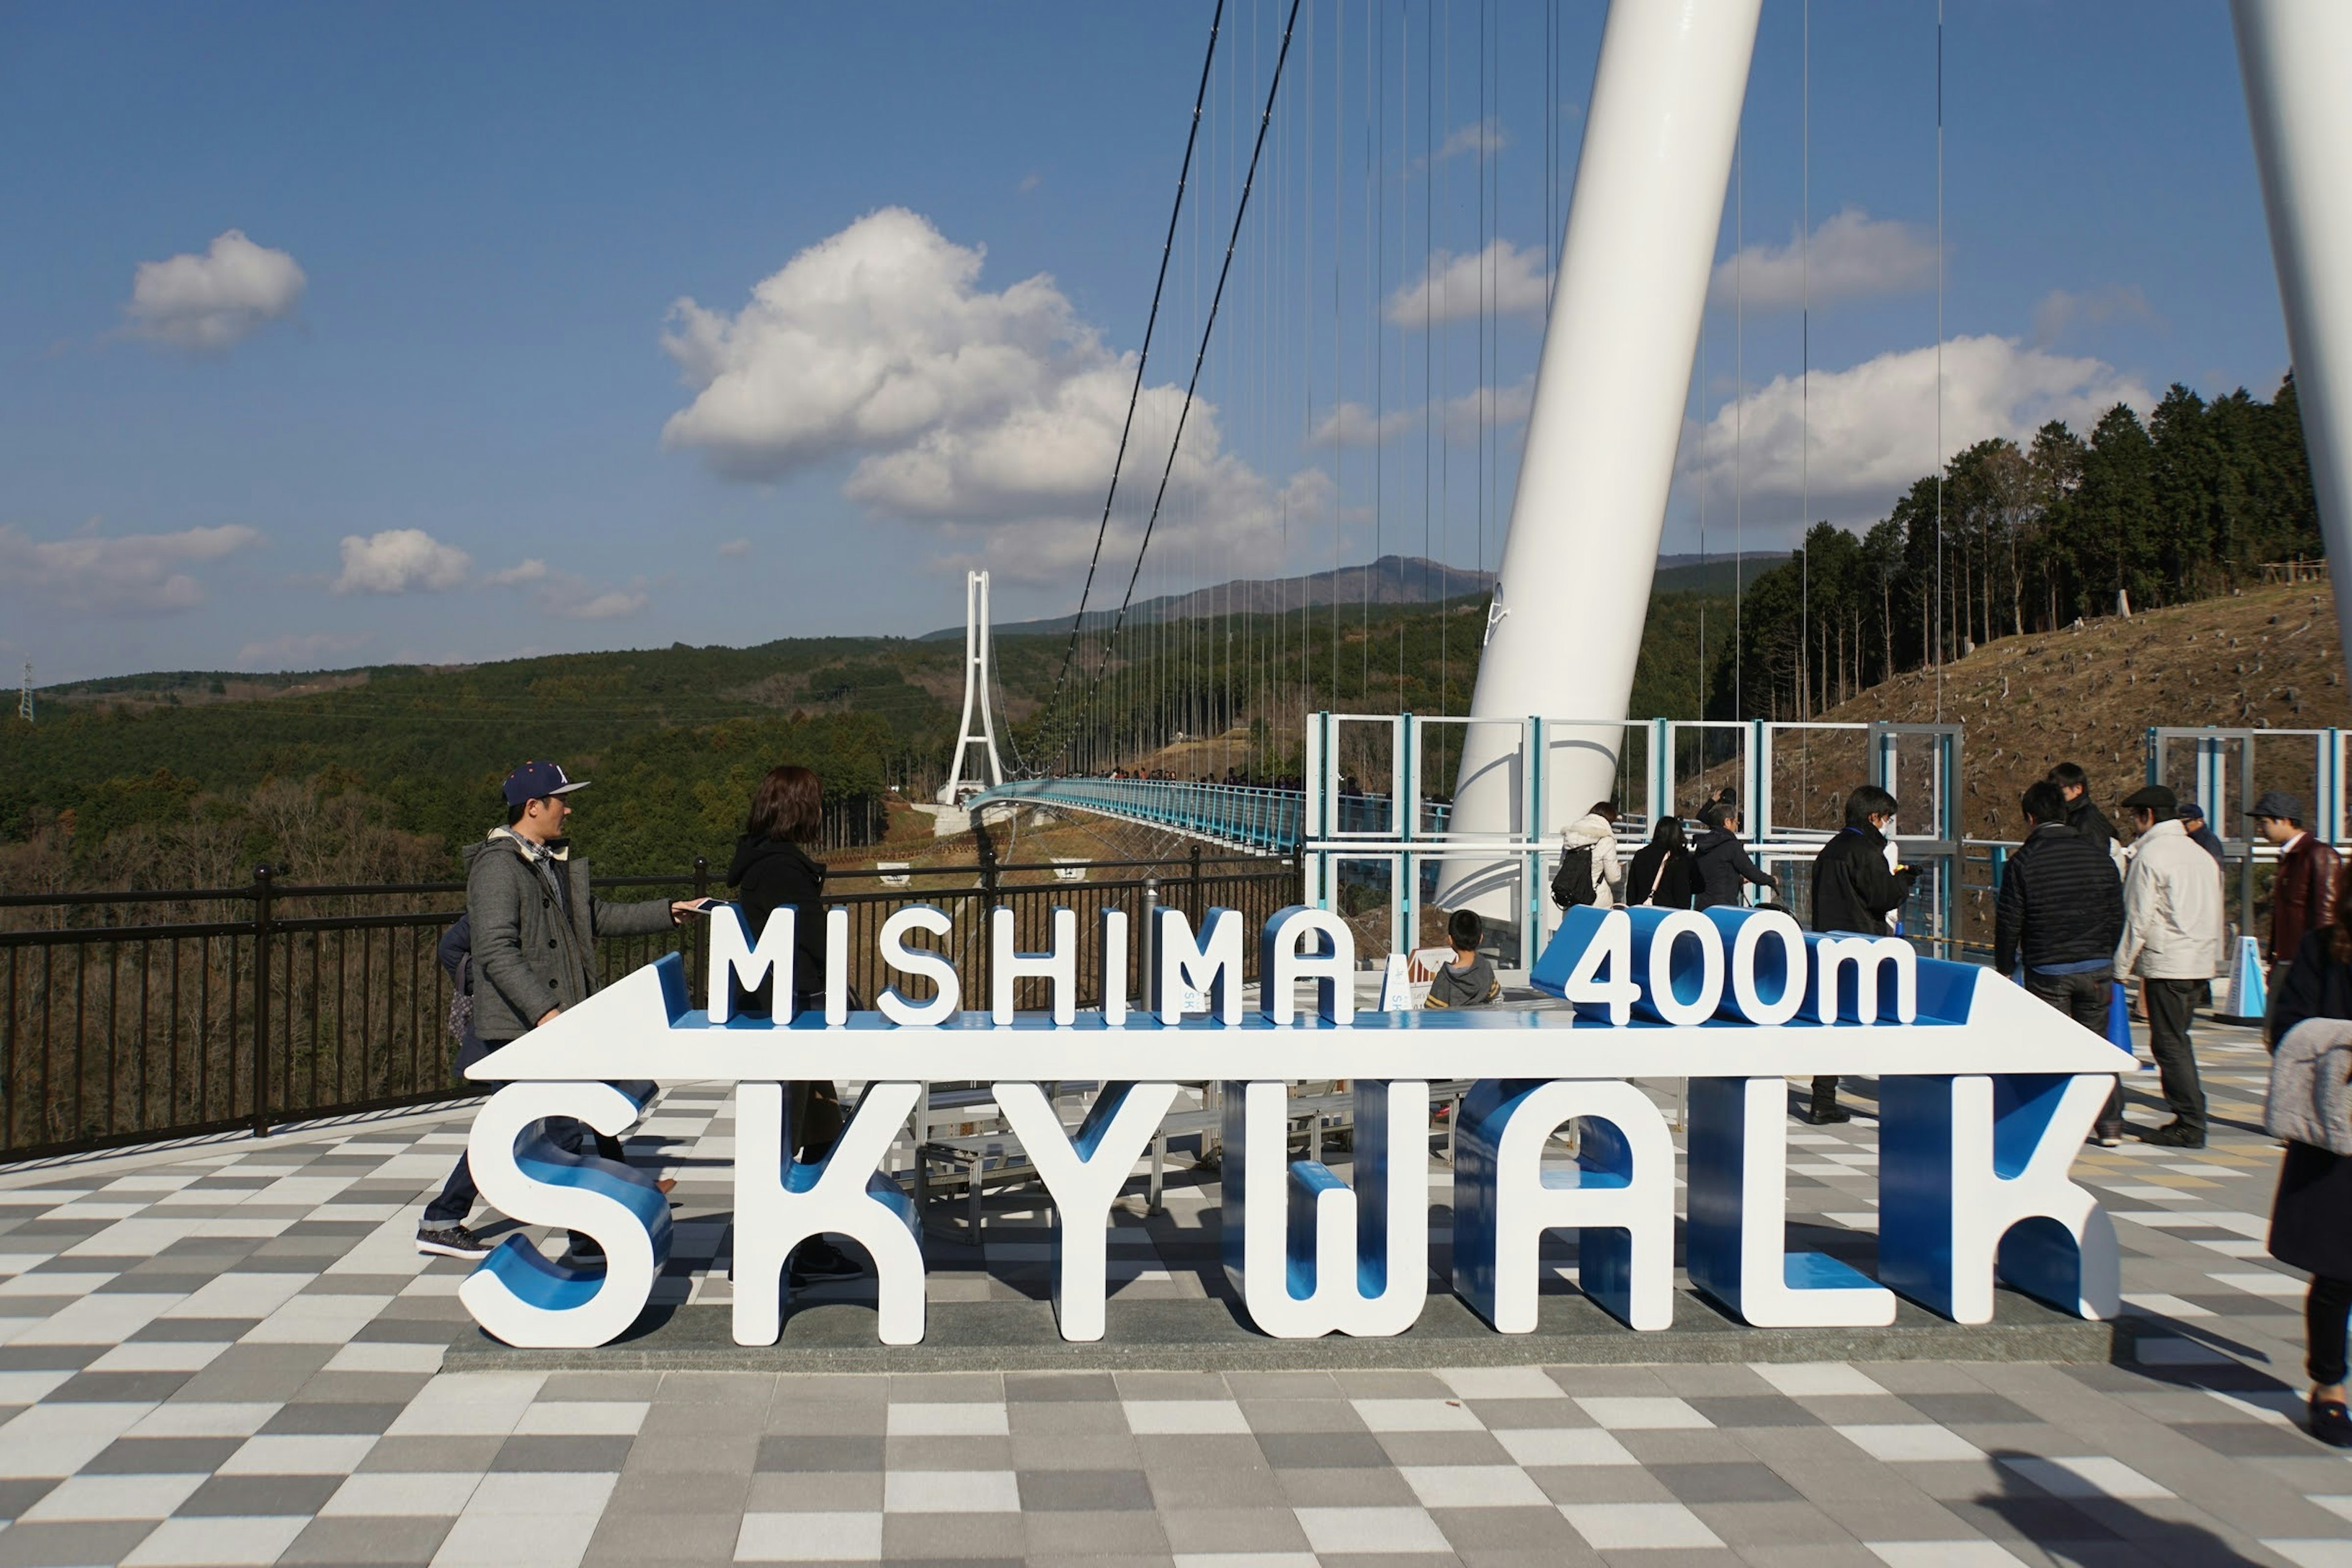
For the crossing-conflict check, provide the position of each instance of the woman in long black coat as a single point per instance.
(2311, 1218)
(1661, 873)
(772, 870)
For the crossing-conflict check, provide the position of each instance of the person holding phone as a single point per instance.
(1856, 888)
(772, 870)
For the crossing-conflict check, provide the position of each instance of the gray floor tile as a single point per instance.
(1096, 1492)
(247, 1496)
(366, 1542)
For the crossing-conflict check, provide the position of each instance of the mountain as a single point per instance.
(1390, 580)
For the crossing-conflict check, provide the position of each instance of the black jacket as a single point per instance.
(1853, 889)
(769, 873)
(1660, 876)
(2311, 1217)
(2091, 823)
(1721, 864)
(2060, 903)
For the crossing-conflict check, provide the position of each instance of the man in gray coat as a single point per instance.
(535, 927)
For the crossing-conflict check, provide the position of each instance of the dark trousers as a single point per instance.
(2084, 998)
(2170, 1005)
(2325, 1314)
(458, 1193)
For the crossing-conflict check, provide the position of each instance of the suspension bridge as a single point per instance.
(1324, 163)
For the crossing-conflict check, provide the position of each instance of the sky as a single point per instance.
(340, 335)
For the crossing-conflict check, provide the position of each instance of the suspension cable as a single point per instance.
(1216, 298)
(1135, 393)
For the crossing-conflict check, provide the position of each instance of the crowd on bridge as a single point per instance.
(2083, 912)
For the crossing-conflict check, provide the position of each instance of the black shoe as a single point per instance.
(1826, 1112)
(586, 1249)
(2104, 1139)
(2174, 1135)
(817, 1260)
(2331, 1423)
(451, 1241)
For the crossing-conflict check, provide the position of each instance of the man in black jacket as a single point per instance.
(2087, 819)
(2061, 913)
(1854, 889)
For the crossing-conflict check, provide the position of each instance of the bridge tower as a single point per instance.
(975, 692)
(1566, 625)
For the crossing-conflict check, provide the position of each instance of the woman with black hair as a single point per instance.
(1661, 873)
(771, 870)
(2311, 1217)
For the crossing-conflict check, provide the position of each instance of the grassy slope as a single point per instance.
(2269, 658)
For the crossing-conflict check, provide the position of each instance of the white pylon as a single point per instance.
(2293, 55)
(25, 696)
(1608, 394)
(975, 691)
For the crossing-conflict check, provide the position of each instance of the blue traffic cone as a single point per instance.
(2120, 1032)
(2247, 999)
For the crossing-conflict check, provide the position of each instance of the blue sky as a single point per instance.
(335, 335)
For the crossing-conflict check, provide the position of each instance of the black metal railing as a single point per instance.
(132, 1017)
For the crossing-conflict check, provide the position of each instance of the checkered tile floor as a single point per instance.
(231, 1355)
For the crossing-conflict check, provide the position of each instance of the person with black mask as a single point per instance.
(1855, 890)
(1721, 861)
(773, 870)
(2085, 818)
(1661, 875)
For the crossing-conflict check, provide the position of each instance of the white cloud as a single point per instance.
(531, 570)
(1853, 256)
(1458, 418)
(1873, 426)
(214, 301)
(562, 593)
(1502, 278)
(139, 572)
(400, 560)
(735, 549)
(1478, 136)
(2059, 309)
(300, 650)
(990, 417)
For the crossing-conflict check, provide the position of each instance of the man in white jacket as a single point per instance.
(1597, 829)
(2173, 927)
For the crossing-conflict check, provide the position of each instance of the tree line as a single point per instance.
(2185, 505)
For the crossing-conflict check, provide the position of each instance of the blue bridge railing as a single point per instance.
(1248, 816)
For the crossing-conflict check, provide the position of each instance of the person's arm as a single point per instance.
(639, 919)
(455, 944)
(2008, 918)
(2326, 866)
(2139, 910)
(494, 911)
(2111, 906)
(2303, 995)
(1880, 889)
(1607, 869)
(1748, 871)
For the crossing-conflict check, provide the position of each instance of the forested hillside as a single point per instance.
(2187, 505)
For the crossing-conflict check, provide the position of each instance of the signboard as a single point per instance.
(1984, 1094)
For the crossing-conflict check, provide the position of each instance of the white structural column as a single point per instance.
(1626, 309)
(975, 691)
(2295, 57)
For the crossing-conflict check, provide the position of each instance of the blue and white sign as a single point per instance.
(1984, 1094)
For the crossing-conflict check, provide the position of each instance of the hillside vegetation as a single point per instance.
(2268, 659)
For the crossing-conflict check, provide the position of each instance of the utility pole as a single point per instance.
(975, 690)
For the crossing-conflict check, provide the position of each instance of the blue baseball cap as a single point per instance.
(536, 781)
